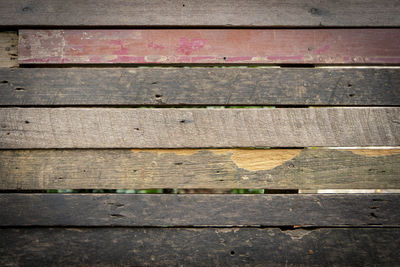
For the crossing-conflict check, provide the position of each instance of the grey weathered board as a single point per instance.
(178, 128)
(8, 51)
(203, 168)
(293, 13)
(199, 247)
(143, 210)
(199, 86)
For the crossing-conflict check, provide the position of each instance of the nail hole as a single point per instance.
(373, 215)
(26, 9)
(183, 5)
(27, 122)
(182, 121)
(291, 166)
(351, 95)
(315, 11)
(224, 58)
(136, 129)
(158, 96)
(232, 252)
(8, 133)
(349, 85)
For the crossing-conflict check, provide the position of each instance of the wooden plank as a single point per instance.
(226, 13)
(282, 46)
(205, 168)
(199, 86)
(8, 50)
(200, 210)
(191, 247)
(193, 128)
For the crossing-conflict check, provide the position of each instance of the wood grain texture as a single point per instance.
(193, 128)
(200, 210)
(198, 86)
(283, 46)
(8, 50)
(226, 13)
(199, 247)
(206, 168)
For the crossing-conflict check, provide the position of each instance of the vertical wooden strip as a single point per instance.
(8, 50)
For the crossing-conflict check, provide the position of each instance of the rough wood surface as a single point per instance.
(199, 247)
(206, 168)
(321, 46)
(200, 210)
(290, 13)
(199, 86)
(8, 50)
(193, 128)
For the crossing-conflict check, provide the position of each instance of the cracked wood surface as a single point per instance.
(199, 168)
(280, 46)
(199, 86)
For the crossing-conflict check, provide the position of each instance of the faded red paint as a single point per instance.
(238, 59)
(323, 49)
(155, 46)
(268, 46)
(187, 47)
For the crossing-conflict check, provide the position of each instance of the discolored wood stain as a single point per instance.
(197, 168)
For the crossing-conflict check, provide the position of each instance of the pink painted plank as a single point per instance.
(315, 46)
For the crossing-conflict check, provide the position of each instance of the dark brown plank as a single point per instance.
(8, 50)
(200, 210)
(295, 13)
(199, 247)
(206, 168)
(191, 128)
(199, 86)
(260, 46)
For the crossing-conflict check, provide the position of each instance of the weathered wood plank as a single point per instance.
(291, 13)
(193, 128)
(179, 128)
(8, 50)
(200, 210)
(199, 247)
(322, 46)
(199, 86)
(206, 168)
